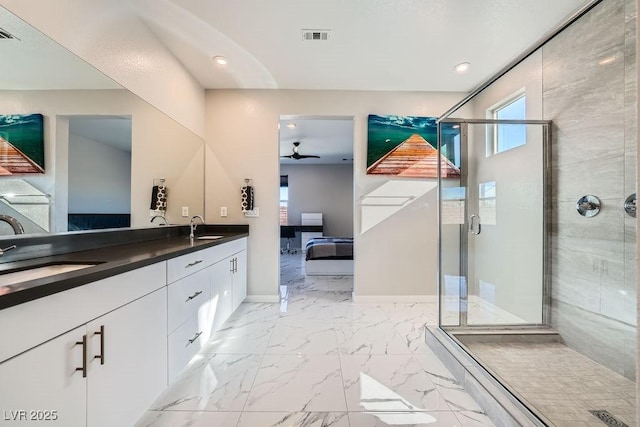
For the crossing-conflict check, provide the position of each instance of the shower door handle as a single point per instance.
(471, 228)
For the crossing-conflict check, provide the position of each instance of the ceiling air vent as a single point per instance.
(4, 34)
(315, 35)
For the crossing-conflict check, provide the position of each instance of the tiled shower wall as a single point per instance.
(589, 92)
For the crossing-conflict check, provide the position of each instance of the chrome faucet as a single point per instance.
(193, 225)
(161, 217)
(14, 223)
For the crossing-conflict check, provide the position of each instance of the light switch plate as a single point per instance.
(185, 211)
(223, 211)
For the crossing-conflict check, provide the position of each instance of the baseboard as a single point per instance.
(394, 298)
(262, 298)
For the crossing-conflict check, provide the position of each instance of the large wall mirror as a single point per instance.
(104, 147)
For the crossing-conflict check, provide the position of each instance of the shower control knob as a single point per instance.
(630, 205)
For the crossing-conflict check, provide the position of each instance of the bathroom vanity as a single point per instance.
(96, 345)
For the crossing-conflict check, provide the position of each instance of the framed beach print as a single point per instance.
(21, 144)
(405, 146)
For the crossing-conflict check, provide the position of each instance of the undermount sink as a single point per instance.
(24, 275)
(209, 237)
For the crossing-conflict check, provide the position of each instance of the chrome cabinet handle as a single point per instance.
(231, 263)
(189, 298)
(471, 229)
(192, 340)
(191, 264)
(235, 265)
(101, 355)
(83, 343)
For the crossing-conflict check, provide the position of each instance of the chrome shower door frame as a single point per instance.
(463, 244)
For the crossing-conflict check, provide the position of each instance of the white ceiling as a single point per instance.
(111, 130)
(405, 45)
(331, 138)
(33, 61)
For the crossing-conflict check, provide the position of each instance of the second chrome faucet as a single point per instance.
(193, 225)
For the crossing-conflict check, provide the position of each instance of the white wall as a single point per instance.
(321, 188)
(395, 258)
(161, 147)
(99, 177)
(97, 31)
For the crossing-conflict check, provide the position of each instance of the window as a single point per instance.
(284, 199)
(505, 137)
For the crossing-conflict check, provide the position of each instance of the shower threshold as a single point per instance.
(556, 384)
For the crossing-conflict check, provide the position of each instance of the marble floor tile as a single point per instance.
(437, 371)
(213, 383)
(188, 418)
(239, 337)
(473, 419)
(403, 419)
(370, 338)
(357, 312)
(303, 338)
(413, 336)
(421, 312)
(255, 312)
(297, 419)
(298, 383)
(304, 361)
(388, 383)
(459, 400)
(306, 310)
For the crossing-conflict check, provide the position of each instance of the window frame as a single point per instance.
(492, 130)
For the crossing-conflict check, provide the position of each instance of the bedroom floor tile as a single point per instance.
(317, 359)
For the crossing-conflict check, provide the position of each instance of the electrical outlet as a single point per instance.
(223, 211)
(252, 214)
(185, 211)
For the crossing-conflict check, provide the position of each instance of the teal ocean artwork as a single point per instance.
(387, 132)
(21, 144)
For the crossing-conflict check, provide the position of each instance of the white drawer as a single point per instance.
(27, 325)
(220, 252)
(189, 297)
(184, 343)
(184, 265)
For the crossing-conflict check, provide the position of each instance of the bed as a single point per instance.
(329, 256)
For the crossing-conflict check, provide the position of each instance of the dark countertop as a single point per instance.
(114, 252)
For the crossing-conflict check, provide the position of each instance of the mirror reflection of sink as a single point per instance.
(209, 237)
(37, 272)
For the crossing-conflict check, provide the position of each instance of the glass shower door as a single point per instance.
(492, 223)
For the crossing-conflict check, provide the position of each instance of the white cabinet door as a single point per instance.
(221, 292)
(42, 386)
(240, 279)
(133, 371)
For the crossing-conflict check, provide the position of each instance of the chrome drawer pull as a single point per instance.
(192, 340)
(193, 296)
(191, 264)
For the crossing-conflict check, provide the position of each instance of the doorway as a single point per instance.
(316, 194)
(99, 172)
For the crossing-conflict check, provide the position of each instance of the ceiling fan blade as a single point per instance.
(290, 157)
(304, 156)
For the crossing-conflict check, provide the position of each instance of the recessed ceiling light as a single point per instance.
(221, 60)
(291, 125)
(462, 67)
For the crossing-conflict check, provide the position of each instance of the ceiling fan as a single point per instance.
(296, 155)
